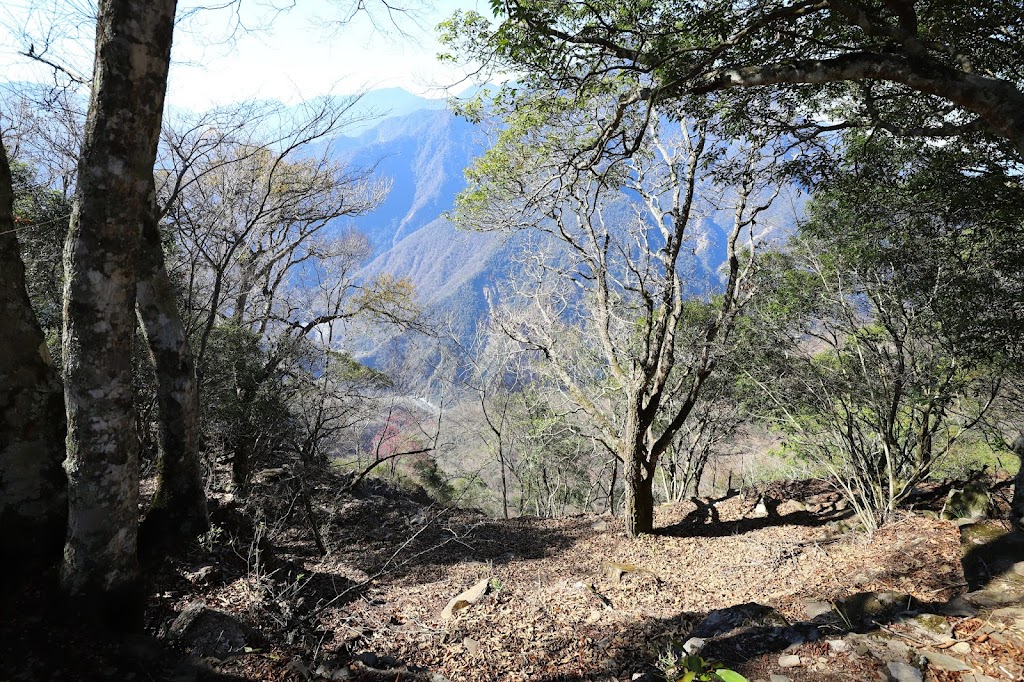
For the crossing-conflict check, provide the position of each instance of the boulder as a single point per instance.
(862, 611)
(206, 632)
(970, 502)
(904, 672)
(746, 630)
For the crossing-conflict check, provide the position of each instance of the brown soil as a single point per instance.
(555, 609)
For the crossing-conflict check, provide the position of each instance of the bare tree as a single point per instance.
(866, 384)
(605, 314)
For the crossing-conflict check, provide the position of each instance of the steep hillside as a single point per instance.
(423, 153)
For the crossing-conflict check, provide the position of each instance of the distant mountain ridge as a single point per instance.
(424, 153)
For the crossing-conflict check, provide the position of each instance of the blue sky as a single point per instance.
(287, 55)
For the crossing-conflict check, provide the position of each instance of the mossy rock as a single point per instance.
(970, 502)
(867, 608)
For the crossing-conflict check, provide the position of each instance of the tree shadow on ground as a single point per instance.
(705, 522)
(751, 650)
(991, 553)
(41, 638)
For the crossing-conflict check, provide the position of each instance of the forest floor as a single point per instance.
(781, 591)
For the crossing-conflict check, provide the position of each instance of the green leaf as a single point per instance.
(730, 676)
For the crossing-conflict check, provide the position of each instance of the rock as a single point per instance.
(970, 502)
(206, 632)
(961, 648)
(600, 526)
(760, 510)
(977, 677)
(995, 595)
(693, 645)
(1011, 616)
(748, 630)
(1018, 568)
(838, 645)
(956, 607)
(904, 672)
(467, 598)
(324, 672)
(945, 662)
(929, 626)
(866, 609)
(789, 661)
(472, 646)
(779, 678)
(813, 609)
(187, 616)
(749, 615)
(881, 645)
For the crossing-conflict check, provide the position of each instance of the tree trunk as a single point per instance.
(1017, 504)
(639, 488)
(114, 197)
(33, 487)
(179, 509)
(639, 499)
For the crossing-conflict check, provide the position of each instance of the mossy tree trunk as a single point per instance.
(115, 194)
(33, 500)
(639, 483)
(179, 510)
(1017, 504)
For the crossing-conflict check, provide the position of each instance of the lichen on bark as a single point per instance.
(33, 502)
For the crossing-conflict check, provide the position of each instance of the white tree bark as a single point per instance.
(115, 192)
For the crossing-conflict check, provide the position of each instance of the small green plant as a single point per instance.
(211, 538)
(696, 669)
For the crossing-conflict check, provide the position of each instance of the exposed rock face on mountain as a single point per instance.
(423, 153)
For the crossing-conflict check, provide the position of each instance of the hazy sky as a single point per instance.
(288, 55)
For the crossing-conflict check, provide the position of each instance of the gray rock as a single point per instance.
(748, 630)
(789, 661)
(779, 678)
(187, 616)
(956, 607)
(961, 648)
(206, 632)
(693, 645)
(904, 672)
(866, 609)
(945, 662)
(749, 615)
(1011, 616)
(760, 510)
(838, 645)
(929, 626)
(813, 609)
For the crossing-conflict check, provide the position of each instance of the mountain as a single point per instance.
(423, 153)
(376, 106)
